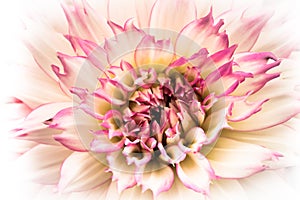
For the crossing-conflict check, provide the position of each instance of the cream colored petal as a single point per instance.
(81, 171)
(269, 185)
(44, 51)
(157, 181)
(43, 162)
(233, 159)
(143, 12)
(162, 17)
(179, 191)
(283, 138)
(136, 193)
(27, 90)
(195, 173)
(227, 190)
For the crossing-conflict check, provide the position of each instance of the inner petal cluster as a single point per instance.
(153, 118)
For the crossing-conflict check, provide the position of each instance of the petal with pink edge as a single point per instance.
(271, 114)
(179, 191)
(200, 33)
(195, 173)
(157, 181)
(123, 174)
(85, 23)
(150, 52)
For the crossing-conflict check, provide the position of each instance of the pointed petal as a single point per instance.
(271, 113)
(38, 81)
(123, 173)
(244, 30)
(34, 128)
(150, 52)
(136, 193)
(76, 69)
(281, 138)
(85, 23)
(201, 33)
(44, 51)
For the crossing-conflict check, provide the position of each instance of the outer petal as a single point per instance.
(195, 173)
(38, 81)
(80, 172)
(143, 12)
(271, 113)
(44, 51)
(201, 33)
(85, 23)
(123, 173)
(136, 193)
(158, 181)
(34, 128)
(76, 69)
(282, 138)
(233, 159)
(151, 52)
(244, 28)
(76, 128)
(162, 16)
(43, 163)
(179, 191)
(227, 190)
(259, 184)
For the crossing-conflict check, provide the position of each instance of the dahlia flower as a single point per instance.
(156, 99)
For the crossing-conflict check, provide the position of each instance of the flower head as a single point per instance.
(155, 102)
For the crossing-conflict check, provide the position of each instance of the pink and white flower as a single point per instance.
(155, 99)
